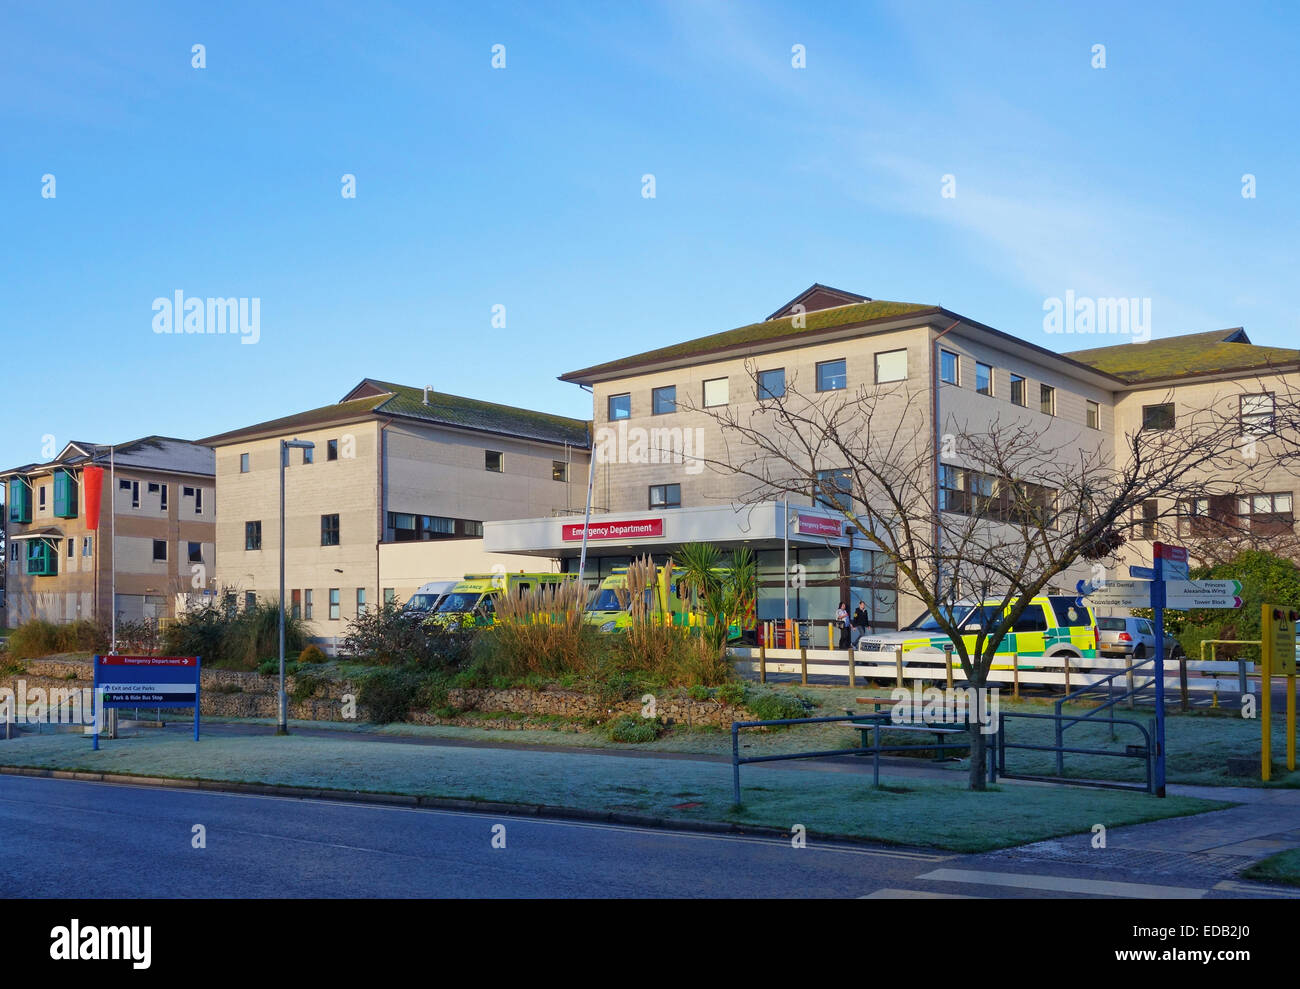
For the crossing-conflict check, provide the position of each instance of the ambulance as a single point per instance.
(1051, 625)
(607, 612)
(472, 601)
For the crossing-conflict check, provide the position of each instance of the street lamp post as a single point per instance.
(285, 446)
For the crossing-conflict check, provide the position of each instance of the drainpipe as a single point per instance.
(786, 543)
(934, 413)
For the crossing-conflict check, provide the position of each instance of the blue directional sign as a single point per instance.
(146, 681)
(1142, 573)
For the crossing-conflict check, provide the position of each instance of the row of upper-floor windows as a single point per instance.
(61, 494)
(1256, 414)
(1019, 387)
(41, 555)
(770, 383)
(493, 460)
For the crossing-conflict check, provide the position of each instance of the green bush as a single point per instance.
(271, 668)
(388, 695)
(732, 693)
(771, 705)
(699, 692)
(386, 635)
(631, 729)
(306, 683)
(233, 639)
(312, 654)
(41, 638)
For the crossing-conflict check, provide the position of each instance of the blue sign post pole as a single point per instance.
(1158, 611)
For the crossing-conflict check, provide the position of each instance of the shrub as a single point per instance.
(34, 638)
(271, 668)
(228, 638)
(307, 682)
(312, 654)
(699, 692)
(388, 695)
(771, 705)
(631, 729)
(389, 637)
(732, 693)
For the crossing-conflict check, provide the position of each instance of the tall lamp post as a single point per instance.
(285, 446)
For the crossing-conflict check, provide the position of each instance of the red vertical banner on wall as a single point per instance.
(93, 479)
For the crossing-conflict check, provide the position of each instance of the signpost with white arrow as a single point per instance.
(1166, 586)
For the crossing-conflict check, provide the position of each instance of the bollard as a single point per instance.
(803, 666)
(898, 661)
(830, 635)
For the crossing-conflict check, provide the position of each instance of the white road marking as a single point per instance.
(1064, 884)
(914, 894)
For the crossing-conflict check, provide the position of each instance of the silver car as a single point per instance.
(1132, 638)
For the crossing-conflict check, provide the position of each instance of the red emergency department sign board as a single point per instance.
(146, 681)
(816, 525)
(635, 529)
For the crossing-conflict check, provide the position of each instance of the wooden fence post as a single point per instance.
(1182, 680)
(852, 684)
(803, 665)
(1015, 674)
(1067, 673)
(898, 662)
(762, 661)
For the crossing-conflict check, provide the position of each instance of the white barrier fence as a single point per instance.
(1055, 671)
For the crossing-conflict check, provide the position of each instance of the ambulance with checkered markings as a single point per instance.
(1052, 625)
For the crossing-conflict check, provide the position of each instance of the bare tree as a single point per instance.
(991, 510)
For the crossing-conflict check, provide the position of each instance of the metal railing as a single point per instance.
(875, 721)
(1145, 752)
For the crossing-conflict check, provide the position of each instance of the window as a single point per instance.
(891, 366)
(20, 500)
(331, 449)
(160, 551)
(243, 463)
(329, 530)
(198, 501)
(250, 600)
(970, 492)
(771, 384)
(1256, 418)
(252, 535)
(559, 470)
(716, 392)
(665, 496)
(474, 529)
(334, 604)
(1267, 514)
(65, 494)
(1033, 619)
(134, 488)
(308, 455)
(949, 367)
(295, 603)
(663, 400)
(1047, 400)
(983, 379)
(162, 498)
(1158, 417)
(833, 489)
(41, 500)
(1094, 415)
(87, 545)
(620, 407)
(831, 376)
(42, 558)
(72, 548)
(306, 604)
(1018, 396)
(195, 552)
(361, 600)
(390, 595)
(493, 461)
(13, 551)
(1150, 519)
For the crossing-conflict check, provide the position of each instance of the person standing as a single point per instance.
(861, 622)
(842, 621)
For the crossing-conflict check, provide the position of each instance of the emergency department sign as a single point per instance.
(146, 681)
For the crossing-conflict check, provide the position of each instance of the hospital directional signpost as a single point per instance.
(146, 681)
(1168, 587)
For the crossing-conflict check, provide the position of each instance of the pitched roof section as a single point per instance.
(160, 453)
(373, 399)
(1189, 355)
(471, 413)
(818, 296)
(344, 411)
(741, 338)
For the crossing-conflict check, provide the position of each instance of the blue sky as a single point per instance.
(521, 186)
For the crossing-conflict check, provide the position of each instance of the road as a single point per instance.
(140, 839)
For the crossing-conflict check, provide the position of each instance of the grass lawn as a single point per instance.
(939, 814)
(1284, 867)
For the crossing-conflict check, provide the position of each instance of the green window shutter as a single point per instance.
(65, 494)
(42, 560)
(20, 500)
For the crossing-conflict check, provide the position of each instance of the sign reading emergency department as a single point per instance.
(816, 525)
(146, 681)
(634, 529)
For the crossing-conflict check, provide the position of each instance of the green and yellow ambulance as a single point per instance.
(472, 601)
(668, 603)
(1052, 625)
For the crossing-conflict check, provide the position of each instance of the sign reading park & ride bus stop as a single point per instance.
(146, 681)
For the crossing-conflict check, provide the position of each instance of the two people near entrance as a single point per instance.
(852, 628)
